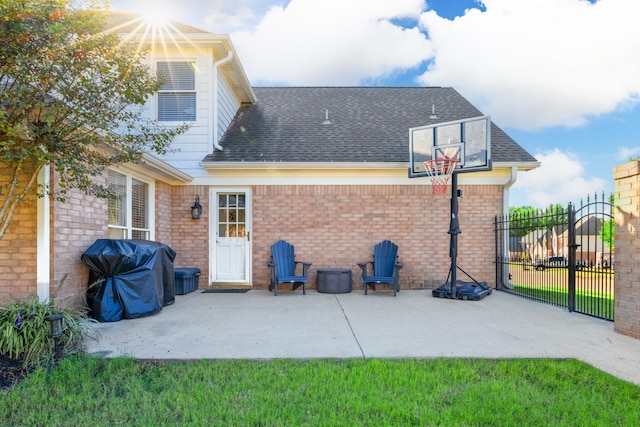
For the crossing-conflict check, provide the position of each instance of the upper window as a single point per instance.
(129, 214)
(177, 97)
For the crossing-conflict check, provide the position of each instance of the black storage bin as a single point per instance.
(186, 280)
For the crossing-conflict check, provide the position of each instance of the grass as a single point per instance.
(593, 303)
(461, 392)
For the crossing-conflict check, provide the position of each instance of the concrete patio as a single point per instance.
(257, 325)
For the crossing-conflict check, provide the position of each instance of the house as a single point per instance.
(591, 249)
(516, 252)
(538, 244)
(324, 168)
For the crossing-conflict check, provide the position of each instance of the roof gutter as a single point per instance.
(302, 165)
(213, 123)
(521, 166)
(163, 170)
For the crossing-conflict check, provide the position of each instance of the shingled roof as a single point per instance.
(368, 124)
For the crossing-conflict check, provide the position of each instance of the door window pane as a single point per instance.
(231, 215)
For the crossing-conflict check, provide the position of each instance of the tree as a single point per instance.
(608, 233)
(525, 219)
(72, 96)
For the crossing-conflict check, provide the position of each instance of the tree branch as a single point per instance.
(15, 197)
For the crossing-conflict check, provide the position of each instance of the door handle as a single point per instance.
(248, 236)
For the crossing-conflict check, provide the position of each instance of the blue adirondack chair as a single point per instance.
(385, 266)
(283, 267)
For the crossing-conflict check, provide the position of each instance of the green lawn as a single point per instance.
(592, 303)
(457, 392)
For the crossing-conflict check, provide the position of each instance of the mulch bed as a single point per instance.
(10, 372)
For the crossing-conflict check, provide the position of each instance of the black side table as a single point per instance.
(334, 280)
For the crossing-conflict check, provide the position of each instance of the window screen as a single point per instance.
(139, 203)
(118, 207)
(177, 97)
(129, 213)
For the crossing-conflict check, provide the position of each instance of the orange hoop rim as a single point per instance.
(439, 171)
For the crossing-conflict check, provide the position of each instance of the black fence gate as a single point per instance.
(561, 256)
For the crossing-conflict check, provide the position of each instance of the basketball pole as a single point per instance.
(454, 230)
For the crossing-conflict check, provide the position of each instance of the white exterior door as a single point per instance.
(231, 229)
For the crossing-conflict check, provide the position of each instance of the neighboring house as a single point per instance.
(591, 250)
(325, 168)
(538, 244)
(516, 252)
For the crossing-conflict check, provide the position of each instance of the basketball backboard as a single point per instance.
(468, 141)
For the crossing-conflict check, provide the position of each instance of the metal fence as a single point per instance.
(560, 256)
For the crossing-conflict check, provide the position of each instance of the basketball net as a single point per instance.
(439, 171)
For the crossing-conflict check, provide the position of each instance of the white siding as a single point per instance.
(190, 148)
(227, 105)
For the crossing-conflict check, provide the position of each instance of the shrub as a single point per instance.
(25, 334)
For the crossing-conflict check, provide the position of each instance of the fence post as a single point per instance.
(627, 249)
(497, 253)
(571, 228)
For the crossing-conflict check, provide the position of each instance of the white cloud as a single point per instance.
(560, 179)
(227, 16)
(219, 16)
(626, 153)
(332, 42)
(540, 63)
(531, 64)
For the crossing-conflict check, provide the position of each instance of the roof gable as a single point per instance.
(173, 37)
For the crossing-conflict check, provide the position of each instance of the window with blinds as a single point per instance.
(139, 209)
(129, 216)
(177, 97)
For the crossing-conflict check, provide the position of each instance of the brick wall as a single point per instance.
(75, 225)
(627, 250)
(190, 237)
(337, 226)
(331, 226)
(164, 207)
(18, 248)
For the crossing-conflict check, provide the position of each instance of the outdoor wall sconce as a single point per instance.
(196, 209)
(55, 331)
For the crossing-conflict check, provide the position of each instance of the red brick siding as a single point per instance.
(627, 251)
(75, 225)
(164, 214)
(337, 226)
(331, 226)
(190, 237)
(18, 247)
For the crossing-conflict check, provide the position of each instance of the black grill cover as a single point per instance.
(129, 278)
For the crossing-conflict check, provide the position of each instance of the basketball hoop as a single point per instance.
(439, 171)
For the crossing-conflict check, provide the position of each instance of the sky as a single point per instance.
(561, 77)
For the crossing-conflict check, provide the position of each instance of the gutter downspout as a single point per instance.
(214, 101)
(513, 176)
(43, 257)
(505, 237)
